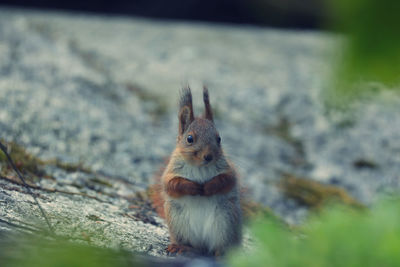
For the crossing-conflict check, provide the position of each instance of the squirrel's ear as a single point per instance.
(208, 111)
(186, 115)
(184, 119)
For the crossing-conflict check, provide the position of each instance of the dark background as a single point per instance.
(301, 14)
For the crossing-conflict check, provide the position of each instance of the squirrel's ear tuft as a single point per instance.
(186, 115)
(208, 111)
(184, 119)
(186, 100)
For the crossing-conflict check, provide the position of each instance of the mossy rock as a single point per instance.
(31, 164)
(23, 160)
(315, 194)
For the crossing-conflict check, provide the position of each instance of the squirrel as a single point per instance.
(198, 191)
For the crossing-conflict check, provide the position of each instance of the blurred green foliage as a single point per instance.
(43, 252)
(339, 236)
(371, 49)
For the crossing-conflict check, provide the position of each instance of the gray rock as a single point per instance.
(103, 91)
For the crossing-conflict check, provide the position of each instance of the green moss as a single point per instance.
(338, 236)
(33, 166)
(69, 167)
(22, 159)
(100, 182)
(315, 194)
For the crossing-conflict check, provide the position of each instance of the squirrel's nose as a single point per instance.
(208, 157)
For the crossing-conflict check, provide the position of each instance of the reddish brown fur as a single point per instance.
(157, 199)
(178, 187)
(220, 184)
(156, 191)
(175, 186)
(175, 248)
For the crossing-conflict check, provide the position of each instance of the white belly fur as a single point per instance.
(205, 223)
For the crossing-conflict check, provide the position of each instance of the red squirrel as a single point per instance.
(198, 192)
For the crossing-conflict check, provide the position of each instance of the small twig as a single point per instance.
(18, 226)
(52, 190)
(4, 149)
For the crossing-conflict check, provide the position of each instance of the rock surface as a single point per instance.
(102, 92)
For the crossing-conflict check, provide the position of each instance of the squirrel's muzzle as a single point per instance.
(208, 154)
(208, 157)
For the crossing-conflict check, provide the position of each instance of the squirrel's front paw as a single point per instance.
(195, 189)
(220, 184)
(178, 187)
(209, 189)
(173, 249)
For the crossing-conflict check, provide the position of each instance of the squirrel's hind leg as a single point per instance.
(173, 249)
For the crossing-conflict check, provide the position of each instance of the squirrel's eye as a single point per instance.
(190, 139)
(219, 140)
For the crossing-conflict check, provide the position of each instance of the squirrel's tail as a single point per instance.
(156, 196)
(157, 199)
